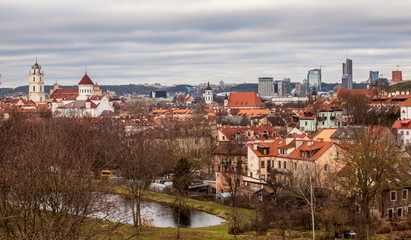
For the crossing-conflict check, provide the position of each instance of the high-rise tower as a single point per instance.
(314, 81)
(347, 74)
(265, 87)
(36, 84)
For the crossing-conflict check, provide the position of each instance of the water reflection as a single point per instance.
(153, 213)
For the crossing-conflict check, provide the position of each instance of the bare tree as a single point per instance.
(47, 187)
(182, 177)
(143, 160)
(372, 163)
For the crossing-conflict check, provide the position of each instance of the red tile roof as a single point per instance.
(86, 80)
(319, 146)
(406, 103)
(230, 132)
(402, 124)
(244, 99)
(67, 93)
(368, 92)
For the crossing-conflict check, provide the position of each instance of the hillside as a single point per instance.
(402, 86)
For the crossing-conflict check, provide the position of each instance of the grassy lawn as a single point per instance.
(217, 232)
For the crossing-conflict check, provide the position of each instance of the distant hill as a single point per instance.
(118, 89)
(245, 87)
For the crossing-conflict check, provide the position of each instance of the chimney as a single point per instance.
(310, 143)
(298, 143)
(255, 147)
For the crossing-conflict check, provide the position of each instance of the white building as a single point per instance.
(208, 94)
(403, 126)
(36, 84)
(85, 104)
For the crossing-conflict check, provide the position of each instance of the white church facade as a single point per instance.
(81, 103)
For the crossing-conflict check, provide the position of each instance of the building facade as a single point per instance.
(265, 87)
(36, 84)
(347, 74)
(396, 76)
(314, 80)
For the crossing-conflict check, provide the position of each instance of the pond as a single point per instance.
(154, 214)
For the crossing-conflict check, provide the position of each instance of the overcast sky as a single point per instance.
(195, 41)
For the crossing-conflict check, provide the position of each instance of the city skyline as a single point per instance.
(192, 42)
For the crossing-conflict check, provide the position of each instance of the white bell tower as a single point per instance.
(208, 94)
(36, 84)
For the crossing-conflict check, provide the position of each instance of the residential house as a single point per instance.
(396, 203)
(322, 114)
(286, 157)
(229, 157)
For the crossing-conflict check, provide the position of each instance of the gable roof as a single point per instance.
(319, 147)
(86, 80)
(66, 93)
(244, 99)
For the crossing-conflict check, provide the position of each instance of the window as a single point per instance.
(279, 164)
(393, 195)
(295, 165)
(34, 88)
(407, 133)
(262, 164)
(326, 168)
(409, 210)
(306, 123)
(285, 164)
(399, 212)
(390, 213)
(405, 194)
(34, 79)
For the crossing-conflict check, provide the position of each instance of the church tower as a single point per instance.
(36, 84)
(85, 88)
(208, 94)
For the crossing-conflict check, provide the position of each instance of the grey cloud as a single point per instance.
(190, 41)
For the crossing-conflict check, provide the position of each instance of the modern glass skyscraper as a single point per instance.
(347, 74)
(265, 87)
(314, 81)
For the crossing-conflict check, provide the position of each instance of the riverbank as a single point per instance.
(222, 211)
(217, 232)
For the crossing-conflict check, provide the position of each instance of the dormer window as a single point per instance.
(282, 151)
